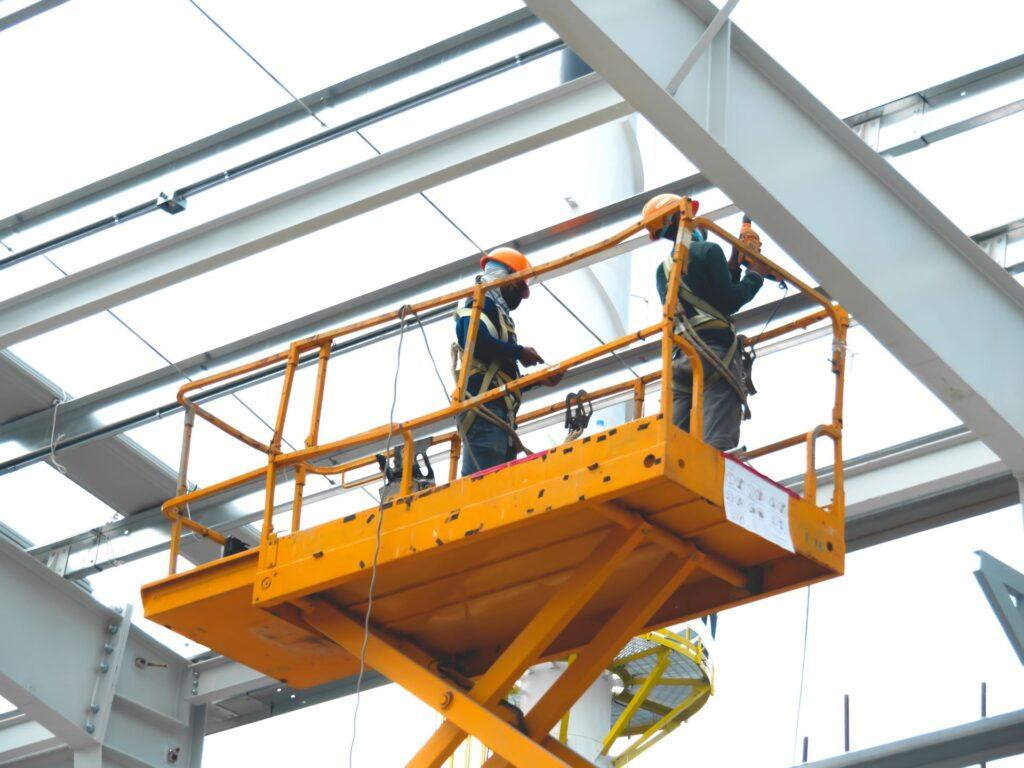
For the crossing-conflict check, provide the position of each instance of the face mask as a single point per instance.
(513, 295)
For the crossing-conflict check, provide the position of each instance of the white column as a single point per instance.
(590, 718)
(604, 165)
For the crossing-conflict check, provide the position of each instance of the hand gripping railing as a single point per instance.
(303, 461)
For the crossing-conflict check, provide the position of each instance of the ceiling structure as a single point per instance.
(934, 479)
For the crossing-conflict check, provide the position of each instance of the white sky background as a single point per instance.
(907, 632)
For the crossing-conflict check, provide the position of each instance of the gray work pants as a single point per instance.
(722, 408)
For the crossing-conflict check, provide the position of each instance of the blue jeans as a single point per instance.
(487, 445)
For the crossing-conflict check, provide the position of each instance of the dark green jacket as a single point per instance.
(709, 277)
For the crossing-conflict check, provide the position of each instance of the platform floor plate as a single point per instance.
(464, 566)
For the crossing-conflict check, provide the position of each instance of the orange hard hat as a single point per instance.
(512, 259)
(658, 211)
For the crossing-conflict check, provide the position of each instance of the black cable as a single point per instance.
(803, 667)
(54, 444)
(227, 388)
(377, 537)
(256, 61)
(590, 330)
(775, 310)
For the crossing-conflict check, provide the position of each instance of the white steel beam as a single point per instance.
(60, 651)
(85, 680)
(940, 305)
(21, 738)
(30, 10)
(275, 119)
(534, 122)
(974, 743)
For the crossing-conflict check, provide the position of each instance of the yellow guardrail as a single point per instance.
(302, 460)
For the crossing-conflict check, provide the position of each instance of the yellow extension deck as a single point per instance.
(464, 567)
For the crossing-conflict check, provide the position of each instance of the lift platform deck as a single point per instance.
(464, 567)
(453, 591)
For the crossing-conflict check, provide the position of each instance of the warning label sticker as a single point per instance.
(756, 504)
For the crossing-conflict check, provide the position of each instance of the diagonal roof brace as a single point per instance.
(1004, 588)
(830, 201)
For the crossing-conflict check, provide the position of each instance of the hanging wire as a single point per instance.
(775, 309)
(377, 537)
(482, 252)
(589, 330)
(169, 362)
(437, 371)
(433, 361)
(803, 667)
(256, 61)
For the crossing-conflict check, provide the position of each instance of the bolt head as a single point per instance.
(94, 708)
(104, 667)
(108, 648)
(112, 629)
(89, 727)
(266, 583)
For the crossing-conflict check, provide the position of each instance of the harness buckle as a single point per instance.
(577, 411)
(422, 471)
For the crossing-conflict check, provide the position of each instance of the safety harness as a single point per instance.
(707, 317)
(492, 374)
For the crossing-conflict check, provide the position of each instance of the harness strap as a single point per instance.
(706, 317)
(489, 373)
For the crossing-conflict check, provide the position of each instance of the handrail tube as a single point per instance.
(308, 454)
(314, 341)
(795, 325)
(303, 458)
(288, 459)
(399, 314)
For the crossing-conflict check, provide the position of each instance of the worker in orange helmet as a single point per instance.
(488, 432)
(709, 293)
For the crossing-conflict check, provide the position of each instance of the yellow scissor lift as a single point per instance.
(573, 550)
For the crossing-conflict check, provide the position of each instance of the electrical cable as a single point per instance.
(433, 360)
(377, 537)
(256, 61)
(803, 667)
(162, 356)
(775, 310)
(444, 388)
(138, 335)
(589, 330)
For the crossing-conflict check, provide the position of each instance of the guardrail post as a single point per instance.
(182, 487)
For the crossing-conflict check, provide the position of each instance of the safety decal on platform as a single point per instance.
(756, 504)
